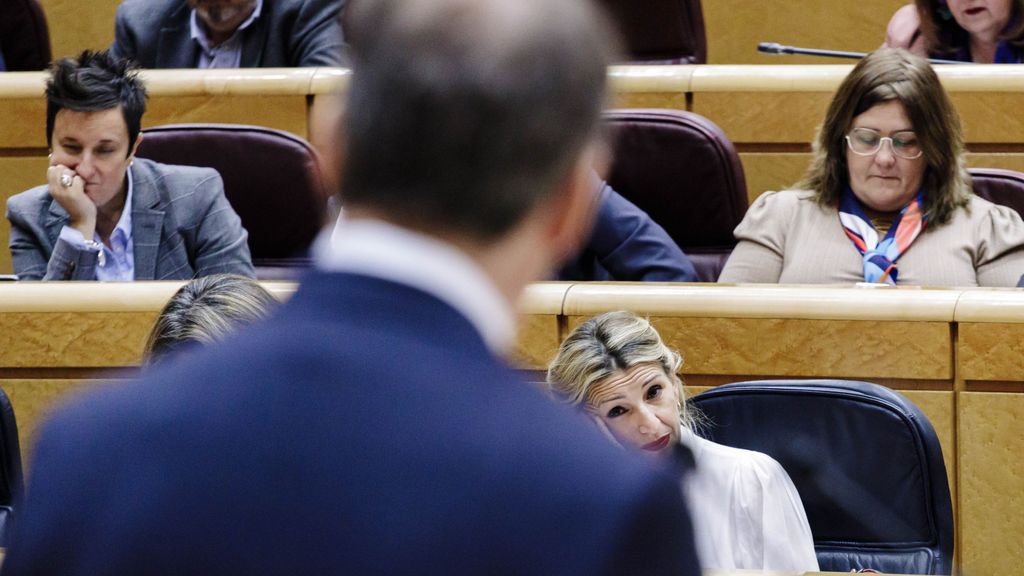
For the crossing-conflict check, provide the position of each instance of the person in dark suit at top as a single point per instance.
(230, 33)
(370, 426)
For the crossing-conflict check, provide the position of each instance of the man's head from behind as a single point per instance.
(464, 116)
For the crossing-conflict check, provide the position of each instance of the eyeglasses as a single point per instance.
(867, 142)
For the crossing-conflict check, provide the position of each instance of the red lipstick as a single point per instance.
(658, 444)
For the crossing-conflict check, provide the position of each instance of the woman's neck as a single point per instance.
(983, 50)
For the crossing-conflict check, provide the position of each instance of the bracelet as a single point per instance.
(97, 247)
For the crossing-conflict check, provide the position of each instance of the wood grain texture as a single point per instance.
(286, 113)
(734, 27)
(992, 482)
(537, 342)
(767, 171)
(74, 28)
(807, 348)
(17, 174)
(764, 117)
(991, 351)
(33, 400)
(68, 339)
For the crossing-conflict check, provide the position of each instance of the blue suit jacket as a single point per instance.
(627, 245)
(182, 227)
(363, 429)
(288, 33)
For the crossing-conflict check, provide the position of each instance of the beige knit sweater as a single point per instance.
(788, 238)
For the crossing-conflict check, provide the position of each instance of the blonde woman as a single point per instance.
(746, 512)
(204, 311)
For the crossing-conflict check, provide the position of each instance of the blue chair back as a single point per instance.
(866, 461)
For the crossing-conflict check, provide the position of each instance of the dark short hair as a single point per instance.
(204, 311)
(463, 114)
(885, 75)
(92, 82)
(944, 35)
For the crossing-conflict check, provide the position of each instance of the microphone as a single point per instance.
(776, 48)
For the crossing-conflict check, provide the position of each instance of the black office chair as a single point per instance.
(682, 170)
(866, 461)
(1005, 187)
(10, 466)
(272, 179)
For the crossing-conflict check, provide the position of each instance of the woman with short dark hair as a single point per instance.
(105, 214)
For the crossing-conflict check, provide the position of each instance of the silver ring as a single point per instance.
(66, 180)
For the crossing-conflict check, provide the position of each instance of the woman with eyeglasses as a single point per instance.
(887, 198)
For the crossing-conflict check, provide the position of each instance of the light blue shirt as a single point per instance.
(229, 53)
(117, 261)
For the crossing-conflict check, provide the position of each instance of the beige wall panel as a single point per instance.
(766, 171)
(991, 351)
(75, 26)
(24, 124)
(1009, 161)
(537, 343)
(992, 482)
(775, 117)
(674, 100)
(808, 348)
(990, 116)
(33, 400)
(17, 174)
(282, 112)
(734, 28)
(73, 339)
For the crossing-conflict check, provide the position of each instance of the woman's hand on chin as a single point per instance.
(71, 195)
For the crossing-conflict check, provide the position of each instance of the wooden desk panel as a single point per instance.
(991, 520)
(33, 400)
(734, 27)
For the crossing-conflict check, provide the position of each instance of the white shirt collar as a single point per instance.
(124, 223)
(383, 250)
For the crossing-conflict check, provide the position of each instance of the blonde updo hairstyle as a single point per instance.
(607, 344)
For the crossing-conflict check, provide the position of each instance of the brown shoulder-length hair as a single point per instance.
(944, 36)
(884, 75)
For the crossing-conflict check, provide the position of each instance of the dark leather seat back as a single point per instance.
(682, 170)
(11, 480)
(24, 36)
(1004, 187)
(866, 461)
(661, 31)
(272, 179)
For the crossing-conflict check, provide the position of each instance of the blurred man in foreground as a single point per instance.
(370, 427)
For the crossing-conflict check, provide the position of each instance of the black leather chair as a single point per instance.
(11, 479)
(682, 170)
(661, 31)
(1005, 187)
(865, 460)
(272, 179)
(24, 36)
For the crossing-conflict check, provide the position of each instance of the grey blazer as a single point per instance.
(288, 33)
(182, 227)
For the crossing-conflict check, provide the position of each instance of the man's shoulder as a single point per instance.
(147, 12)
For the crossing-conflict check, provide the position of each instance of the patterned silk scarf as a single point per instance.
(880, 257)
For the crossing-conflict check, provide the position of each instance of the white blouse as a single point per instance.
(746, 512)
